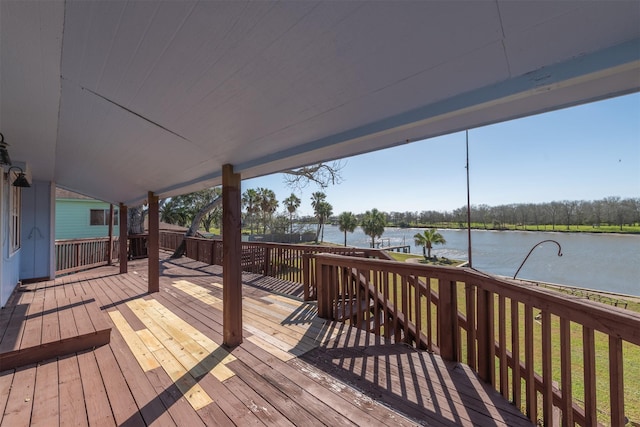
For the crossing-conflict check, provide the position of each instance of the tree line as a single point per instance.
(557, 215)
(260, 206)
(261, 215)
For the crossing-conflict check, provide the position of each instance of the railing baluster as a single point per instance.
(547, 394)
(616, 381)
(589, 352)
(565, 372)
(515, 354)
(502, 339)
(76, 261)
(470, 300)
(396, 304)
(378, 283)
(349, 293)
(418, 308)
(385, 309)
(306, 276)
(266, 267)
(531, 398)
(430, 322)
(405, 307)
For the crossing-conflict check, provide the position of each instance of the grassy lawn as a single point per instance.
(399, 256)
(632, 229)
(631, 358)
(631, 353)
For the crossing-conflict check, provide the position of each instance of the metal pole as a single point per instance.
(535, 246)
(468, 205)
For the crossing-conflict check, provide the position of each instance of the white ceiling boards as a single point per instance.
(113, 99)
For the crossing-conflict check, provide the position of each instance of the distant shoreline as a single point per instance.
(607, 297)
(634, 231)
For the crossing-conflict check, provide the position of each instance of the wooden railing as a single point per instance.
(554, 356)
(80, 254)
(289, 262)
(137, 246)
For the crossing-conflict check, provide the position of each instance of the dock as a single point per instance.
(397, 248)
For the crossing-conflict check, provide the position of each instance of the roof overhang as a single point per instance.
(114, 99)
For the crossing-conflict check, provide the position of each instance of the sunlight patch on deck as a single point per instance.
(181, 350)
(282, 326)
(142, 353)
(197, 292)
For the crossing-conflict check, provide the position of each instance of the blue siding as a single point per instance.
(73, 219)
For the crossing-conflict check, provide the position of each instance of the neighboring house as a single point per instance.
(79, 217)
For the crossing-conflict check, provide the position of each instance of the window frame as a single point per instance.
(105, 217)
(15, 218)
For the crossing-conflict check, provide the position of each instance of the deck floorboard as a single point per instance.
(165, 364)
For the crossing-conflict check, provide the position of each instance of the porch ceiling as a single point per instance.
(113, 99)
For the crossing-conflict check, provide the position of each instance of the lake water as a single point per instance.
(607, 262)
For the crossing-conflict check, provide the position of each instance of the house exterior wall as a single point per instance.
(36, 260)
(9, 262)
(73, 219)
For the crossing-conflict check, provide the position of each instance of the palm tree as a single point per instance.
(268, 205)
(427, 239)
(317, 199)
(250, 201)
(373, 223)
(292, 203)
(347, 222)
(173, 212)
(324, 211)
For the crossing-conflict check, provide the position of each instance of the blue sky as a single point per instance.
(581, 153)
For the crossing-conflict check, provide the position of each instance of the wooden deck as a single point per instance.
(41, 326)
(165, 365)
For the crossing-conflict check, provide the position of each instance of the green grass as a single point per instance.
(631, 363)
(402, 257)
(625, 229)
(441, 261)
(212, 230)
(631, 359)
(631, 352)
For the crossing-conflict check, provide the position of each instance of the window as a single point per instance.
(101, 217)
(14, 224)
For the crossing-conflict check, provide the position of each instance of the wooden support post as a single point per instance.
(110, 244)
(231, 255)
(123, 238)
(448, 321)
(153, 243)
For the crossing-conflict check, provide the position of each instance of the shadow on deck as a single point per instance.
(165, 363)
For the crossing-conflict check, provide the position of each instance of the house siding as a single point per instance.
(73, 219)
(37, 243)
(9, 262)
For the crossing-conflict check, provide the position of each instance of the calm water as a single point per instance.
(597, 261)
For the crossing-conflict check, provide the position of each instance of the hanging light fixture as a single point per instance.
(21, 180)
(4, 153)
